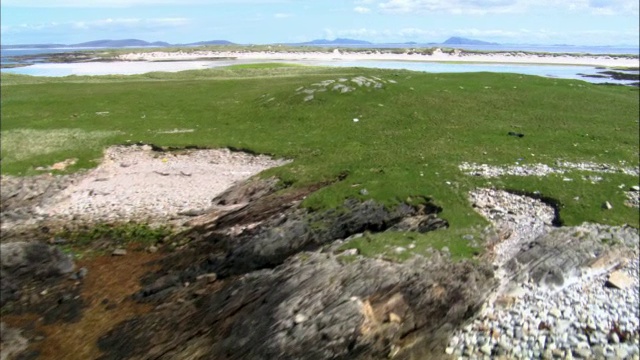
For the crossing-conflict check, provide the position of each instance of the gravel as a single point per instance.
(561, 167)
(585, 319)
(137, 183)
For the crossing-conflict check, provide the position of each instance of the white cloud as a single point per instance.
(480, 7)
(532, 36)
(124, 3)
(449, 6)
(361, 9)
(108, 25)
(282, 15)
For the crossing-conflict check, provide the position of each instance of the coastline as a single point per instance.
(609, 61)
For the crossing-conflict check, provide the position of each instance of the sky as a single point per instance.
(545, 22)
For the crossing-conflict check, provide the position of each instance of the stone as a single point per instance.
(614, 338)
(211, 277)
(119, 252)
(486, 349)
(557, 353)
(449, 351)
(82, 272)
(555, 312)
(394, 318)
(635, 188)
(350, 252)
(299, 318)
(607, 205)
(582, 353)
(152, 249)
(621, 352)
(619, 280)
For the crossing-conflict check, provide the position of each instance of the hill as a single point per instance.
(211, 42)
(464, 41)
(119, 43)
(338, 41)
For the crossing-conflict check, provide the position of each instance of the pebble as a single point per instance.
(573, 321)
(119, 252)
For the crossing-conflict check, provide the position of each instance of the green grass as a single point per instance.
(410, 138)
(399, 246)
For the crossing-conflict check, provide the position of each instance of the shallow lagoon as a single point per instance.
(129, 68)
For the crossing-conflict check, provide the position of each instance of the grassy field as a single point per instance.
(409, 139)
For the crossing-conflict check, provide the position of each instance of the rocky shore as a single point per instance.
(255, 276)
(565, 293)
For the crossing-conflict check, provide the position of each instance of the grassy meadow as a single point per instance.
(409, 139)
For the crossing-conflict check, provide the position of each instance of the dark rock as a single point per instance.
(247, 191)
(511, 133)
(68, 308)
(270, 245)
(22, 262)
(314, 307)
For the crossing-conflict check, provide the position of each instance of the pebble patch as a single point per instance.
(561, 167)
(135, 182)
(587, 319)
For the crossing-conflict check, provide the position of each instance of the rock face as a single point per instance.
(21, 263)
(22, 198)
(276, 294)
(312, 307)
(560, 256)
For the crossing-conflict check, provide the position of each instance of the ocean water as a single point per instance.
(552, 71)
(40, 68)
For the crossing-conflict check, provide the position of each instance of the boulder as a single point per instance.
(619, 280)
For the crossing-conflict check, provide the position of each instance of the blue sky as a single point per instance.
(576, 22)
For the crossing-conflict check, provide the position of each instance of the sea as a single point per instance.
(37, 66)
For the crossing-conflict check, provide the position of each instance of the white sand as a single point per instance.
(437, 56)
(118, 67)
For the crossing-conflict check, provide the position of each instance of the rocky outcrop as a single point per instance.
(22, 263)
(21, 201)
(269, 290)
(556, 298)
(311, 307)
(560, 256)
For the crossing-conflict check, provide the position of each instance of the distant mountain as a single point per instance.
(464, 41)
(119, 43)
(114, 44)
(33, 46)
(337, 41)
(211, 42)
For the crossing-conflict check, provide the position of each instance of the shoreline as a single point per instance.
(438, 55)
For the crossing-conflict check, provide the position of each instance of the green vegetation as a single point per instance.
(399, 246)
(100, 237)
(409, 140)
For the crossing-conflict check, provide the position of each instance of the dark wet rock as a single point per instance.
(65, 307)
(280, 237)
(22, 263)
(313, 307)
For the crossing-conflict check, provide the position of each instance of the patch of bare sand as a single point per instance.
(138, 183)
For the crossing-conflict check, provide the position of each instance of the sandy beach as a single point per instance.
(436, 56)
